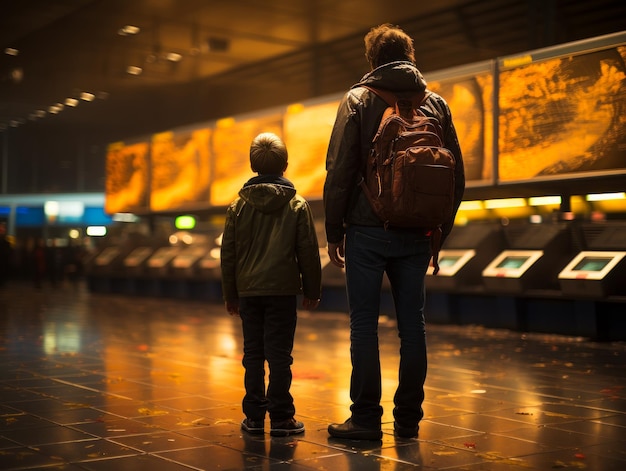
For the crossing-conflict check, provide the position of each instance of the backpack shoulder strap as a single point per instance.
(391, 98)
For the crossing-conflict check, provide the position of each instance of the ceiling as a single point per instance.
(205, 59)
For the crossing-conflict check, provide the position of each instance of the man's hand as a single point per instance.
(336, 254)
(310, 304)
(233, 307)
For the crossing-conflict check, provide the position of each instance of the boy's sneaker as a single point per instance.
(286, 427)
(255, 427)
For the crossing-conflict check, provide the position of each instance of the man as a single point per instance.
(357, 238)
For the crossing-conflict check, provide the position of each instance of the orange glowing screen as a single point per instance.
(231, 154)
(470, 100)
(307, 132)
(563, 116)
(181, 169)
(126, 177)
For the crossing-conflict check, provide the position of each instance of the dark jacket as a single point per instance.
(269, 246)
(358, 117)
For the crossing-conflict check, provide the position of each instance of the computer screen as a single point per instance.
(592, 263)
(513, 262)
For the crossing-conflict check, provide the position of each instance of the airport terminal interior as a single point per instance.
(124, 135)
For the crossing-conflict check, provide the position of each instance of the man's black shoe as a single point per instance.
(405, 432)
(355, 432)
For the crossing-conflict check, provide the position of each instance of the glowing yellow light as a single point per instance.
(471, 205)
(505, 203)
(544, 200)
(295, 108)
(225, 122)
(606, 196)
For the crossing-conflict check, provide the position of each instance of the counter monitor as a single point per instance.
(512, 263)
(451, 261)
(591, 265)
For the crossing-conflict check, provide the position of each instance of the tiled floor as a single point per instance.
(100, 382)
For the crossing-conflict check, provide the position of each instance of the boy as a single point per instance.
(269, 255)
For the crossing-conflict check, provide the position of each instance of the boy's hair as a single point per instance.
(268, 154)
(387, 43)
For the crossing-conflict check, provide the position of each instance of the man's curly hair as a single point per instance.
(387, 43)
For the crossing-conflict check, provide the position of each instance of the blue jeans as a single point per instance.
(404, 255)
(269, 326)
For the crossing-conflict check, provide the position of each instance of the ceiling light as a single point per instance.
(73, 102)
(86, 96)
(14, 123)
(39, 113)
(10, 51)
(173, 56)
(134, 70)
(56, 108)
(128, 30)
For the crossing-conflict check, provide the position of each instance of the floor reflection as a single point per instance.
(91, 381)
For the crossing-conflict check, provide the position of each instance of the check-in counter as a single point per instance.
(595, 273)
(134, 262)
(158, 264)
(186, 264)
(533, 262)
(103, 267)
(465, 254)
(106, 261)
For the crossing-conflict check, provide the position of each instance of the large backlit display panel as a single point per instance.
(469, 93)
(562, 116)
(307, 132)
(180, 169)
(127, 178)
(231, 154)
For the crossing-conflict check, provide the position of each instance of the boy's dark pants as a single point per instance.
(269, 325)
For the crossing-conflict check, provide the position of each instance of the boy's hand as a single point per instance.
(232, 307)
(310, 304)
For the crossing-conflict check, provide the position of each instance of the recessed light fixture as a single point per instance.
(73, 102)
(11, 51)
(173, 57)
(56, 108)
(86, 96)
(128, 30)
(134, 70)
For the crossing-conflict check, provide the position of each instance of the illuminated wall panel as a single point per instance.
(307, 132)
(471, 103)
(563, 116)
(126, 187)
(231, 154)
(181, 169)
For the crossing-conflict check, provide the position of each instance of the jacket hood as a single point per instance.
(396, 76)
(267, 193)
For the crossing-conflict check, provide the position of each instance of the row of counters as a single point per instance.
(562, 278)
